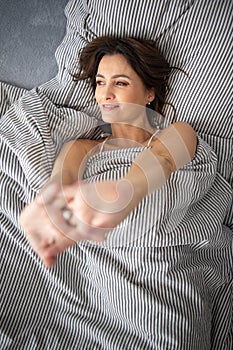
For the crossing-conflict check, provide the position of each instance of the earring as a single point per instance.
(148, 103)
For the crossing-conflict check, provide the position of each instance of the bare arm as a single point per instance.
(100, 206)
(70, 163)
(174, 147)
(105, 204)
(54, 235)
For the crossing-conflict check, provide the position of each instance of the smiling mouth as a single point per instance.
(109, 107)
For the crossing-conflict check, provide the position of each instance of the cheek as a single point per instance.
(130, 97)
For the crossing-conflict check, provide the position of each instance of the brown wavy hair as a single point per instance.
(141, 54)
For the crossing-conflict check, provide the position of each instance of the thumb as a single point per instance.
(69, 191)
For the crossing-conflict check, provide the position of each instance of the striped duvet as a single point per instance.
(168, 292)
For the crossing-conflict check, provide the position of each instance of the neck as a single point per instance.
(131, 132)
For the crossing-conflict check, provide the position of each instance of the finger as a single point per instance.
(59, 221)
(83, 231)
(69, 191)
(48, 194)
(52, 247)
(49, 261)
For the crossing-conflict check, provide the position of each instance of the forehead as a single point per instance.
(115, 63)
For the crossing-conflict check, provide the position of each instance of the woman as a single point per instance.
(127, 75)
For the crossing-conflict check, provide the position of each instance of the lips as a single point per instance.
(109, 107)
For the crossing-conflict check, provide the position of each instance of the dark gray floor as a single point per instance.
(30, 31)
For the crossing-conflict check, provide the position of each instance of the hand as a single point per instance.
(96, 208)
(99, 207)
(45, 226)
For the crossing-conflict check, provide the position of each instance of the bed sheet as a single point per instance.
(56, 309)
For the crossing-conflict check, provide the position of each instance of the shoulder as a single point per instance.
(188, 135)
(183, 128)
(179, 131)
(177, 143)
(82, 144)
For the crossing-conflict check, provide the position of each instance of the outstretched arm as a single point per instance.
(99, 207)
(42, 220)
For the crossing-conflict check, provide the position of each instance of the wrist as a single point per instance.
(135, 189)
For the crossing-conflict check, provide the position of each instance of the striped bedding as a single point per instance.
(175, 294)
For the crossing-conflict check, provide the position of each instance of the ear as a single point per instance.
(150, 95)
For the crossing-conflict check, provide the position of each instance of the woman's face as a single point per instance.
(119, 86)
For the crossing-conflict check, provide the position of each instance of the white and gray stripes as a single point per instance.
(170, 288)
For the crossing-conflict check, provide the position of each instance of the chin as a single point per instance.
(111, 116)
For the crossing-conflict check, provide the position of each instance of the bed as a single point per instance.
(102, 301)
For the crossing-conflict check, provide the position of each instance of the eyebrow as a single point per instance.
(114, 76)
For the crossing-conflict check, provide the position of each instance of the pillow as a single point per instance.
(193, 35)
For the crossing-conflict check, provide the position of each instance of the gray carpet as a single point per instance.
(30, 31)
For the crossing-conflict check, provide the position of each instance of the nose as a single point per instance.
(108, 93)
